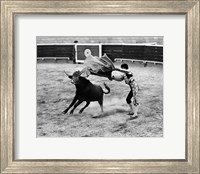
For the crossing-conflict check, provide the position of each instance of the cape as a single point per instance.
(100, 66)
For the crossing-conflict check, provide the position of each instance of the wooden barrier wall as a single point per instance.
(138, 52)
(55, 51)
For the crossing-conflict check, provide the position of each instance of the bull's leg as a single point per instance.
(77, 103)
(72, 103)
(101, 104)
(87, 103)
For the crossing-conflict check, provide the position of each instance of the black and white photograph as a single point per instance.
(99, 86)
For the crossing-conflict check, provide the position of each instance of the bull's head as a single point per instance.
(75, 77)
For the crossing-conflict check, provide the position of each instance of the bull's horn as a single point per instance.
(66, 73)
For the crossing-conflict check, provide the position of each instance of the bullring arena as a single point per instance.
(55, 92)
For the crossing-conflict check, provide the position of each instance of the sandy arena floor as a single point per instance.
(55, 93)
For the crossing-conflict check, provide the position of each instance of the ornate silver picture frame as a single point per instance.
(10, 8)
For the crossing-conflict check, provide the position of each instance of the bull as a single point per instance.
(85, 91)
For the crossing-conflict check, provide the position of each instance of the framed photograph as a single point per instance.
(99, 86)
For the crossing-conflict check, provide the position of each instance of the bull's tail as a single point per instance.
(108, 89)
